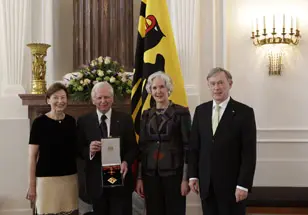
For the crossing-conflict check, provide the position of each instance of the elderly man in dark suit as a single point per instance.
(223, 149)
(102, 123)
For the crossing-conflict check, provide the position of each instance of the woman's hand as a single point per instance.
(184, 188)
(139, 187)
(31, 194)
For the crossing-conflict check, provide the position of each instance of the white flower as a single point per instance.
(100, 59)
(86, 81)
(129, 75)
(107, 60)
(81, 82)
(123, 79)
(112, 80)
(109, 71)
(79, 75)
(67, 79)
(70, 76)
(66, 82)
(93, 63)
(100, 73)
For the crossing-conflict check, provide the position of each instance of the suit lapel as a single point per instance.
(96, 129)
(206, 119)
(166, 117)
(153, 121)
(114, 124)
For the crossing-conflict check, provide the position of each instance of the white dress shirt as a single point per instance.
(223, 106)
(108, 121)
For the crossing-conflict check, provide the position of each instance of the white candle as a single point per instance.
(257, 24)
(297, 25)
(252, 26)
(284, 21)
(291, 21)
(273, 21)
(264, 26)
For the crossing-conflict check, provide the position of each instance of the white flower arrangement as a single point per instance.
(80, 84)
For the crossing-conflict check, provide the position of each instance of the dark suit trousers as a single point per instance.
(213, 205)
(163, 195)
(114, 201)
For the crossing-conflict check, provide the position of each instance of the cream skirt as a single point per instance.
(57, 195)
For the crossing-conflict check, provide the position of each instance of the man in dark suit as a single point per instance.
(223, 149)
(102, 123)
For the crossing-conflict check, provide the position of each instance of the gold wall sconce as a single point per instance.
(275, 31)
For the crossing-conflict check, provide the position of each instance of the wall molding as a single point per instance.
(282, 129)
(282, 160)
(282, 141)
(282, 135)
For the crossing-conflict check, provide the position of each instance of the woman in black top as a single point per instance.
(163, 144)
(52, 158)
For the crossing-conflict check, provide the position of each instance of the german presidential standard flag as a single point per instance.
(155, 51)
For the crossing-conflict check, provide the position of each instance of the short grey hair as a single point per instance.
(217, 70)
(100, 85)
(162, 75)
